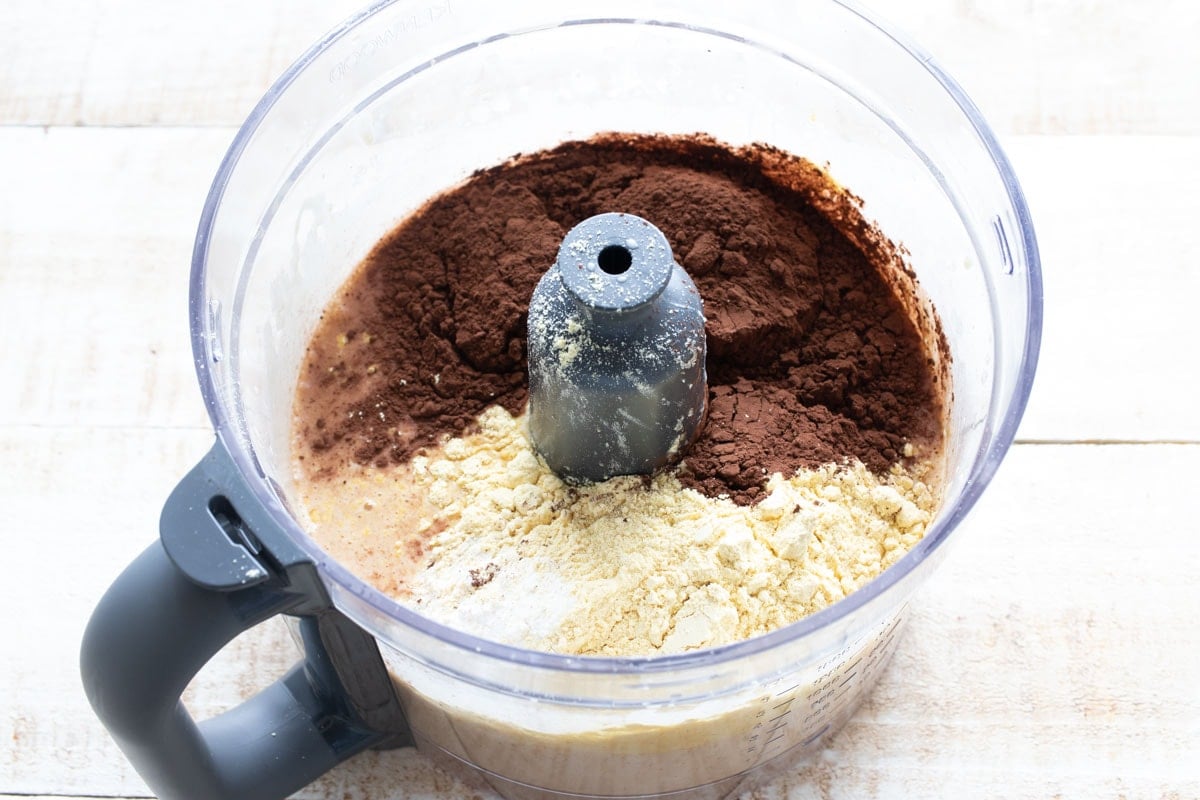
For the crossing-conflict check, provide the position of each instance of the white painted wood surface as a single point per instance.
(1055, 654)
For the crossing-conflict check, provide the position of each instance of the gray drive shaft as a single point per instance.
(616, 353)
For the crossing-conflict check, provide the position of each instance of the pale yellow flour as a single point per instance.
(481, 536)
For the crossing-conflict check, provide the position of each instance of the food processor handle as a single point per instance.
(154, 630)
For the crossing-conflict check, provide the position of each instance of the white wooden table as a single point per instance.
(1056, 653)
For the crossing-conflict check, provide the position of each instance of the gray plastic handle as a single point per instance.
(158, 625)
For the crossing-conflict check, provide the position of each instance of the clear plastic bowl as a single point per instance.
(406, 100)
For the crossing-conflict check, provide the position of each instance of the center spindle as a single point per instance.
(617, 383)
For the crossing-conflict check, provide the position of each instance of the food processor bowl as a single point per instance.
(406, 100)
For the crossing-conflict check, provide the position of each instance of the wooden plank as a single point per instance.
(1052, 653)
(1118, 257)
(1064, 66)
(1040, 66)
(137, 62)
(95, 251)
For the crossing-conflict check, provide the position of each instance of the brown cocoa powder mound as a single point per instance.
(814, 356)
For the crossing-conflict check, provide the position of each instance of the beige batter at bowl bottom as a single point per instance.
(537, 750)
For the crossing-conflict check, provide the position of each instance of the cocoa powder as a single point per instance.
(814, 355)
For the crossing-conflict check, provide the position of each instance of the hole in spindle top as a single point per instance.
(614, 259)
